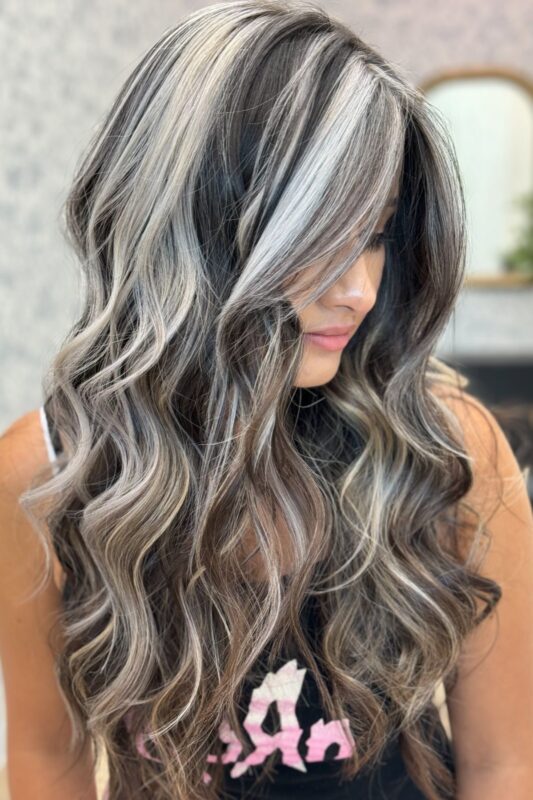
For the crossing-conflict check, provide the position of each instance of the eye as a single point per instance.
(377, 241)
(380, 239)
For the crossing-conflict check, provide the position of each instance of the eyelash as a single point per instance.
(377, 241)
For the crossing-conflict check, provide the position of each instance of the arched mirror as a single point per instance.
(490, 116)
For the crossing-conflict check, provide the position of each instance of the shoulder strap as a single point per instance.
(50, 432)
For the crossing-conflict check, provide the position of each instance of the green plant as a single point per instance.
(520, 259)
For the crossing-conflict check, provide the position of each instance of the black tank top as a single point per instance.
(281, 713)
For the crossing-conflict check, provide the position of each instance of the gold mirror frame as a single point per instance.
(459, 73)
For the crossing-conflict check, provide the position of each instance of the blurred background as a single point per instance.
(65, 60)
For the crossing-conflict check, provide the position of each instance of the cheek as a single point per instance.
(307, 318)
(374, 276)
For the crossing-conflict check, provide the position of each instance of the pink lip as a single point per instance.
(335, 330)
(328, 342)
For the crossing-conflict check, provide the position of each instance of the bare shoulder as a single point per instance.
(494, 730)
(23, 454)
(497, 477)
(36, 716)
(471, 412)
(25, 433)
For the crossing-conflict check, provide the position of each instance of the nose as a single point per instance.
(357, 288)
(354, 298)
(368, 300)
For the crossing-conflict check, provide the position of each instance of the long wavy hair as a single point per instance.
(251, 140)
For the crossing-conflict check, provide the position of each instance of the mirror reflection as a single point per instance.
(490, 117)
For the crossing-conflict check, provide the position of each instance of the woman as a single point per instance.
(266, 543)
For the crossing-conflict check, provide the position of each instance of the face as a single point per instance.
(345, 304)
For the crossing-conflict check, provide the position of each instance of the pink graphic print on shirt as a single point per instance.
(282, 687)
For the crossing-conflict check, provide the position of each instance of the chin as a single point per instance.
(318, 379)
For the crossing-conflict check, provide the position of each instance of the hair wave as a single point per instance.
(248, 142)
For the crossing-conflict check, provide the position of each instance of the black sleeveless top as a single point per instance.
(281, 713)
